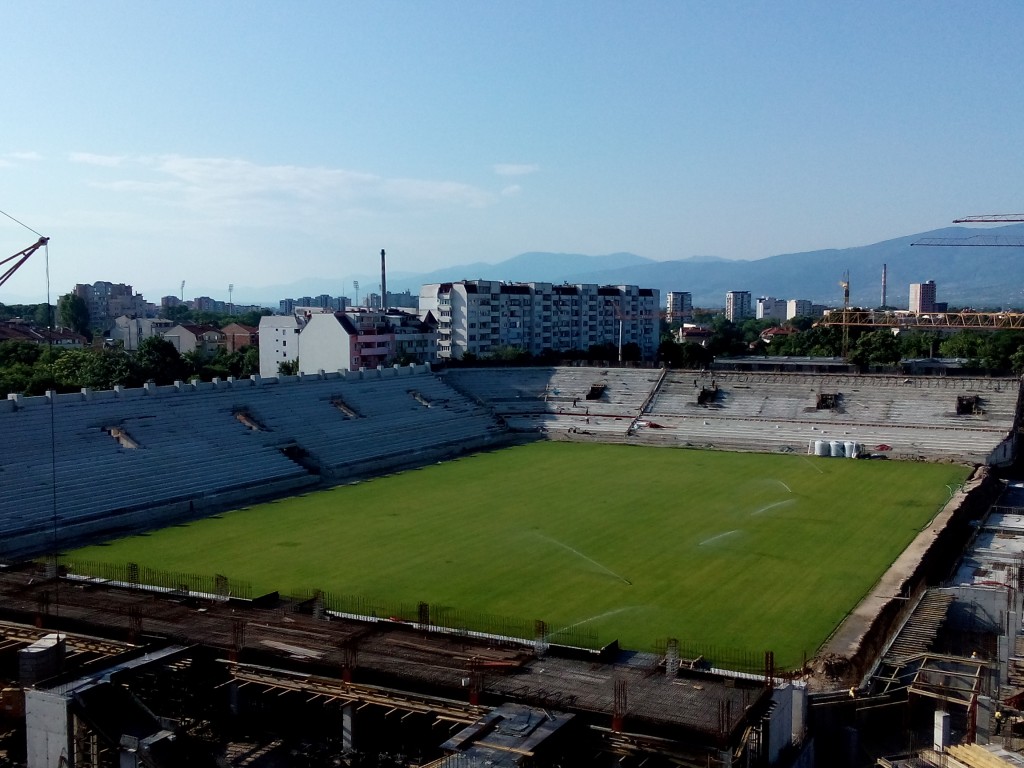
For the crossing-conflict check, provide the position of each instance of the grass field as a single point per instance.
(745, 551)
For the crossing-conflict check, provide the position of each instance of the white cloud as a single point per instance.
(11, 159)
(515, 169)
(511, 190)
(89, 158)
(28, 156)
(239, 190)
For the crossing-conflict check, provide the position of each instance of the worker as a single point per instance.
(999, 720)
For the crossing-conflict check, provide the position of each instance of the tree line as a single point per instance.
(32, 369)
(993, 351)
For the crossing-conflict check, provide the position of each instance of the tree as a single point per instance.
(156, 359)
(801, 322)
(74, 314)
(876, 348)
(963, 344)
(178, 314)
(819, 341)
(27, 352)
(288, 367)
(915, 344)
(998, 348)
(96, 369)
(508, 353)
(250, 360)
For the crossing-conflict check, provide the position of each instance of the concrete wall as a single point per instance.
(47, 730)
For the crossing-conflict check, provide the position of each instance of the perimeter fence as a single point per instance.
(138, 576)
(496, 627)
(703, 656)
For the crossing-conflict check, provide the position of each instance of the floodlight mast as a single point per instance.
(21, 257)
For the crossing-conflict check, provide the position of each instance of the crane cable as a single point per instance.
(26, 226)
(53, 426)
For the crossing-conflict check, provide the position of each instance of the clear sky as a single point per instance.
(263, 142)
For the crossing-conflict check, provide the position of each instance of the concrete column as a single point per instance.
(940, 733)
(348, 714)
(983, 720)
(799, 712)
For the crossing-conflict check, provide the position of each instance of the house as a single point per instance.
(694, 334)
(768, 335)
(365, 338)
(204, 339)
(345, 341)
(19, 330)
(130, 330)
(237, 335)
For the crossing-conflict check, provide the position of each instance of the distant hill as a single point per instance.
(965, 276)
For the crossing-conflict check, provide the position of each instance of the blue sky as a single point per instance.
(259, 143)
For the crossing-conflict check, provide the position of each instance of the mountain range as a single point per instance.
(991, 277)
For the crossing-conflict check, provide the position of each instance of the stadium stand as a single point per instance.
(92, 463)
(910, 418)
(97, 463)
(595, 401)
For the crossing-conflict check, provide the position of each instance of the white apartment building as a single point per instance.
(679, 306)
(737, 306)
(799, 308)
(481, 316)
(279, 341)
(770, 308)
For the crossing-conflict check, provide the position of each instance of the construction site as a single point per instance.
(139, 668)
(131, 666)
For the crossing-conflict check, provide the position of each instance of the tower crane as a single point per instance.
(20, 258)
(995, 241)
(996, 218)
(845, 285)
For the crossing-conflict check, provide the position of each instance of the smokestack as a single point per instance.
(383, 282)
(883, 284)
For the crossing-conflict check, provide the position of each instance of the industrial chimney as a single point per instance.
(383, 282)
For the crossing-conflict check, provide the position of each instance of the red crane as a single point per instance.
(22, 257)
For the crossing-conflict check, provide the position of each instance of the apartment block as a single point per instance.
(679, 307)
(922, 297)
(738, 306)
(482, 316)
(770, 308)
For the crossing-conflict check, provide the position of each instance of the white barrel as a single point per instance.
(851, 449)
(820, 448)
(836, 447)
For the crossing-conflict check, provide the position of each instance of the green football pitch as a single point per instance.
(751, 552)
